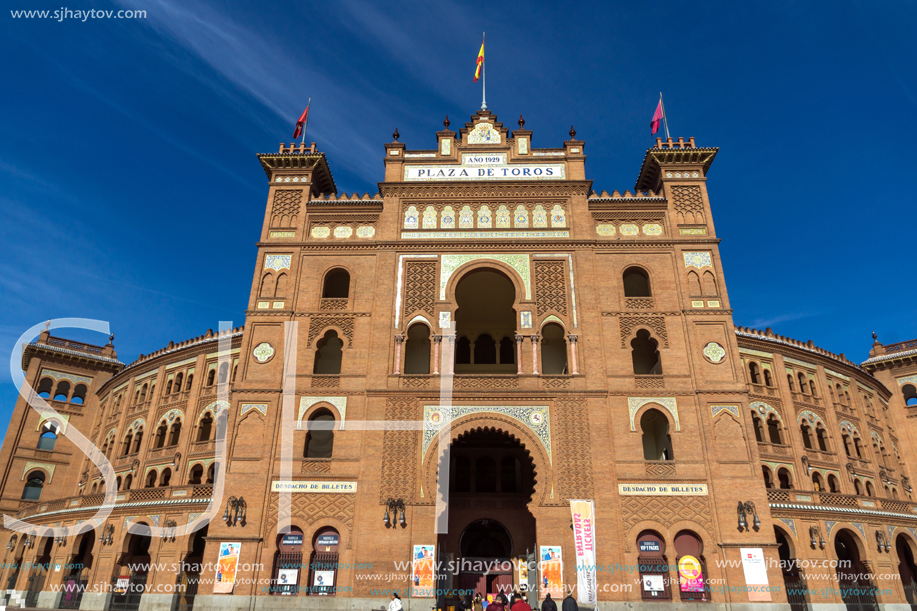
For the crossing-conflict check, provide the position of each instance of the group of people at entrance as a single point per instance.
(499, 603)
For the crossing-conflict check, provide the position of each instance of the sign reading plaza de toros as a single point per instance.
(486, 167)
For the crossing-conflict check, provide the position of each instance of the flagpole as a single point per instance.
(306, 125)
(664, 119)
(484, 68)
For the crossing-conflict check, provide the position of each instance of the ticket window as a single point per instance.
(654, 568)
(691, 567)
(288, 564)
(323, 562)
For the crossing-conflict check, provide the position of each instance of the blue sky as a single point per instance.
(131, 193)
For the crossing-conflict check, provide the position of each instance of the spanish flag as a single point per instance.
(477, 72)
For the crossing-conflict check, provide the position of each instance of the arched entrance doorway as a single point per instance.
(857, 591)
(39, 572)
(907, 570)
(131, 573)
(189, 577)
(492, 481)
(485, 323)
(794, 582)
(77, 577)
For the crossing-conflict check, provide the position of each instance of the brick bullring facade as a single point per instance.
(562, 343)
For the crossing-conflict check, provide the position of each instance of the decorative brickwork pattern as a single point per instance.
(666, 510)
(333, 304)
(655, 323)
(639, 303)
(574, 464)
(399, 453)
(550, 287)
(419, 287)
(285, 209)
(689, 205)
(316, 466)
(309, 508)
(649, 382)
(655, 469)
(318, 323)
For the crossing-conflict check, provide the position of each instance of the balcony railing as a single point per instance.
(834, 499)
(202, 492)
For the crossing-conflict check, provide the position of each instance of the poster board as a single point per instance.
(551, 566)
(755, 574)
(227, 565)
(583, 515)
(423, 571)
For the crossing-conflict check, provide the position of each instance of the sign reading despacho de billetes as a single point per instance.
(517, 171)
(663, 489)
(309, 486)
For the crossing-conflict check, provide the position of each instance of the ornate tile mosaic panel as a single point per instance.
(698, 259)
(669, 403)
(277, 262)
(450, 263)
(534, 417)
(306, 402)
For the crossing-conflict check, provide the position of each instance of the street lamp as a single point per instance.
(396, 506)
(817, 539)
(237, 505)
(745, 508)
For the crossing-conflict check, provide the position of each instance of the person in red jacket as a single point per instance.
(521, 605)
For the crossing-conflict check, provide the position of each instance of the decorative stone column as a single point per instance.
(399, 340)
(573, 364)
(519, 339)
(450, 365)
(535, 340)
(437, 346)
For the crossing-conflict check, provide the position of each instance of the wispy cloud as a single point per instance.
(761, 323)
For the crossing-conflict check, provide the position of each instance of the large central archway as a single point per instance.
(491, 483)
(485, 323)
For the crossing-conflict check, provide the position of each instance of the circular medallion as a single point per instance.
(714, 352)
(263, 352)
(536, 418)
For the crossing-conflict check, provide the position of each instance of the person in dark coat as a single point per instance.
(569, 604)
(548, 604)
(498, 603)
(466, 602)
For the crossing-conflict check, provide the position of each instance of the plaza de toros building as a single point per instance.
(431, 374)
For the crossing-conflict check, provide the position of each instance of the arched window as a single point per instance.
(178, 380)
(857, 445)
(694, 289)
(34, 482)
(337, 285)
(79, 394)
(822, 435)
(768, 480)
(224, 372)
(462, 474)
(63, 391)
(190, 379)
(160, 439)
(768, 381)
(869, 489)
(858, 487)
(48, 438)
(211, 377)
(267, 285)
(175, 432)
(507, 352)
(45, 386)
(126, 449)
(846, 440)
(195, 475)
(151, 479)
(235, 368)
(282, 285)
(166, 477)
(710, 289)
(94, 488)
(553, 350)
(773, 429)
(687, 543)
(645, 354)
(636, 282)
(143, 390)
(169, 387)
(894, 493)
(759, 427)
(817, 484)
(831, 392)
(320, 438)
(463, 351)
(211, 473)
(204, 428)
(137, 439)
(657, 444)
(812, 388)
(417, 350)
(806, 435)
(329, 354)
(509, 474)
(840, 394)
(128, 480)
(106, 446)
(846, 398)
(486, 475)
(789, 381)
(485, 350)
(803, 384)
(786, 480)
(118, 483)
(753, 373)
(910, 394)
(833, 484)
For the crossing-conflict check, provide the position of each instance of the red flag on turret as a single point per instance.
(657, 116)
(304, 118)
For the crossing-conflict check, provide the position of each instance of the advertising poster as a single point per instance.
(551, 565)
(583, 513)
(653, 583)
(755, 573)
(227, 563)
(322, 582)
(122, 583)
(286, 581)
(690, 575)
(522, 574)
(423, 571)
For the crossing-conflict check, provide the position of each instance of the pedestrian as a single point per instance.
(478, 602)
(569, 603)
(466, 602)
(520, 604)
(498, 603)
(548, 604)
(395, 605)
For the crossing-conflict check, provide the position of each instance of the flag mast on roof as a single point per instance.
(477, 74)
(660, 115)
